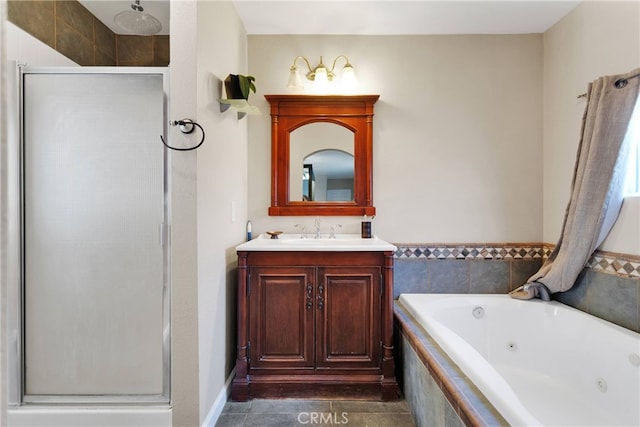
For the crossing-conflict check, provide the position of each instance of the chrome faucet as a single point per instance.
(539, 290)
(317, 224)
(332, 231)
(303, 231)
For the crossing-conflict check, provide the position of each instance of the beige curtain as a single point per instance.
(598, 181)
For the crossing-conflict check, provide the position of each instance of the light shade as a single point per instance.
(295, 81)
(349, 81)
(137, 22)
(321, 79)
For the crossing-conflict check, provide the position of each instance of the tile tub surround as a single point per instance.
(607, 296)
(294, 412)
(68, 27)
(436, 390)
(464, 268)
(609, 286)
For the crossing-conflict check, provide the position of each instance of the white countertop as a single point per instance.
(293, 242)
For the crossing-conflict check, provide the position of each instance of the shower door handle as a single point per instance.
(164, 233)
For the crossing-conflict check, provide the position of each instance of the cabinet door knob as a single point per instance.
(320, 297)
(309, 296)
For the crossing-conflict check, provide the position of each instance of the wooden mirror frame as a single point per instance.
(354, 112)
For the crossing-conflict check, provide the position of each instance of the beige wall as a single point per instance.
(184, 278)
(210, 192)
(457, 133)
(596, 39)
(222, 195)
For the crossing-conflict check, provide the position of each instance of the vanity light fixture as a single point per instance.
(321, 75)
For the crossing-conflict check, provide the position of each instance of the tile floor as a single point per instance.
(286, 413)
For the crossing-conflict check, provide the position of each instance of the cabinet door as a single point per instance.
(281, 307)
(348, 317)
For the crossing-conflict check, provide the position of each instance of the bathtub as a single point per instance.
(537, 363)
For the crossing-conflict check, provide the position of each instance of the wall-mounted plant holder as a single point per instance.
(236, 93)
(242, 106)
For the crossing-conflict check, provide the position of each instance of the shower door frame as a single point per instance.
(164, 235)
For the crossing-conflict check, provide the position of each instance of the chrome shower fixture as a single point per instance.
(136, 21)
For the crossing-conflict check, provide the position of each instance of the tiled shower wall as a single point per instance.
(69, 28)
(609, 287)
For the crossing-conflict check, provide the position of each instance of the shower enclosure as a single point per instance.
(91, 323)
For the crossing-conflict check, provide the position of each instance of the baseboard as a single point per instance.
(82, 416)
(218, 404)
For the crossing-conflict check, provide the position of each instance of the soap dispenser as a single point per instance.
(366, 228)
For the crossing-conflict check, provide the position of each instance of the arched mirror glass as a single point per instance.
(321, 163)
(328, 176)
(321, 154)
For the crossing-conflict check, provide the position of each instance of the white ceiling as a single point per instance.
(369, 17)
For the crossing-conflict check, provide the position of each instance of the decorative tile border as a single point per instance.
(607, 262)
(477, 251)
(612, 263)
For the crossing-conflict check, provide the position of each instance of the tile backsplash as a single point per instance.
(609, 286)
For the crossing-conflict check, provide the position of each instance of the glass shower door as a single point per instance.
(95, 274)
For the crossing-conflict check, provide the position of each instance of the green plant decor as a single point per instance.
(246, 85)
(239, 86)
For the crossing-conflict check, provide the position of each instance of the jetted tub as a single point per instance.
(538, 363)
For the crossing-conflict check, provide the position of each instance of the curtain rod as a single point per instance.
(619, 84)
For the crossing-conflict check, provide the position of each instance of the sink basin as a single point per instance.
(293, 242)
(321, 241)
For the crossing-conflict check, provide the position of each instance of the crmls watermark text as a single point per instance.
(323, 418)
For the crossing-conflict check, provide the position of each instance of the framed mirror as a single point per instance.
(321, 154)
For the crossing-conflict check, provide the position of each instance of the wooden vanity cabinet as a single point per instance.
(315, 324)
